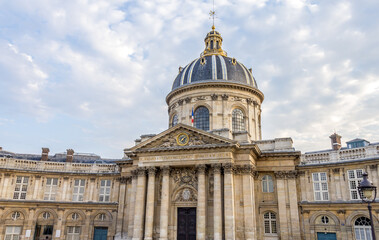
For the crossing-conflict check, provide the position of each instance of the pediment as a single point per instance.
(180, 137)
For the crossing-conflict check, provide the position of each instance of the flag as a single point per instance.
(192, 117)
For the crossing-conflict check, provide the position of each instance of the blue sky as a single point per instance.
(93, 75)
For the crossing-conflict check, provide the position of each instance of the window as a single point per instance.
(238, 121)
(78, 192)
(324, 219)
(355, 178)
(267, 184)
(270, 222)
(102, 217)
(15, 216)
(362, 229)
(12, 233)
(75, 216)
(48, 230)
(73, 233)
(174, 120)
(21, 188)
(105, 190)
(51, 189)
(46, 215)
(320, 186)
(202, 118)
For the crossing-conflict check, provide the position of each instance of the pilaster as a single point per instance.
(230, 228)
(201, 204)
(139, 205)
(217, 202)
(149, 223)
(164, 203)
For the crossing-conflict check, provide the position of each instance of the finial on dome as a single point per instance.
(213, 27)
(213, 44)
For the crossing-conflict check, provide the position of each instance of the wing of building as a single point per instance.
(208, 176)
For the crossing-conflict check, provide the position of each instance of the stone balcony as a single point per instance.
(50, 166)
(345, 154)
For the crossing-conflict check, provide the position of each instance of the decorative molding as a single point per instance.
(201, 169)
(285, 174)
(216, 168)
(214, 97)
(180, 102)
(123, 180)
(200, 98)
(185, 176)
(249, 100)
(341, 211)
(165, 170)
(186, 195)
(244, 169)
(187, 99)
(228, 168)
(224, 97)
(336, 170)
(151, 171)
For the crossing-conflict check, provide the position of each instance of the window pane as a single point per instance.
(238, 122)
(201, 120)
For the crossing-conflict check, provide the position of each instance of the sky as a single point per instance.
(93, 75)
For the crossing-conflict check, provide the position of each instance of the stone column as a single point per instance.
(217, 203)
(139, 214)
(120, 217)
(248, 202)
(132, 204)
(229, 202)
(294, 208)
(37, 183)
(282, 205)
(164, 203)
(149, 223)
(201, 211)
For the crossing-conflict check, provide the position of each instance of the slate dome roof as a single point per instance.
(213, 65)
(214, 68)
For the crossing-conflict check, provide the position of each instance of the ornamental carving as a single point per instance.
(134, 173)
(141, 171)
(244, 169)
(214, 97)
(171, 142)
(237, 99)
(165, 170)
(224, 97)
(228, 168)
(151, 171)
(123, 180)
(185, 176)
(249, 100)
(187, 99)
(200, 98)
(196, 140)
(201, 169)
(285, 174)
(216, 168)
(180, 102)
(185, 195)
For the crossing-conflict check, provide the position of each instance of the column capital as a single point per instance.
(244, 169)
(151, 171)
(141, 171)
(201, 168)
(285, 174)
(216, 168)
(134, 173)
(228, 168)
(165, 170)
(123, 180)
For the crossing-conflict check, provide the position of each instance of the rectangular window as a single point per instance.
(73, 233)
(78, 192)
(355, 178)
(12, 233)
(105, 190)
(320, 186)
(51, 189)
(21, 187)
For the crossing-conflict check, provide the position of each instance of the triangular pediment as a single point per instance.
(182, 136)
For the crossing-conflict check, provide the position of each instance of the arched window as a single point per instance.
(201, 120)
(269, 219)
(267, 184)
(362, 229)
(238, 123)
(174, 120)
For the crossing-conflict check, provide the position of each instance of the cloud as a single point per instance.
(95, 74)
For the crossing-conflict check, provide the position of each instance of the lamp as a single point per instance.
(367, 192)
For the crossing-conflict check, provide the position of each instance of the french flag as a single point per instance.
(192, 117)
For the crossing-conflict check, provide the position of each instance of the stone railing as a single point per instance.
(23, 164)
(367, 152)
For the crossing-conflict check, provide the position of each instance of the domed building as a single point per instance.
(221, 93)
(208, 176)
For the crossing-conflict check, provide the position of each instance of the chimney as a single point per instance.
(70, 155)
(45, 154)
(1, 148)
(336, 141)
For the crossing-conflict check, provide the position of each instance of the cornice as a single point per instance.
(214, 84)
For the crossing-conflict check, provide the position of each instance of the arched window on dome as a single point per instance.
(174, 120)
(238, 121)
(362, 229)
(269, 219)
(201, 120)
(267, 184)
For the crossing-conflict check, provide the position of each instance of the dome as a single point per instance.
(213, 65)
(214, 68)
